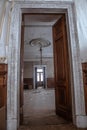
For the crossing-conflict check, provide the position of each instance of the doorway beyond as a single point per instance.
(39, 73)
(40, 76)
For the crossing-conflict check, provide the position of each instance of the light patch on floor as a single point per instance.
(39, 102)
(39, 108)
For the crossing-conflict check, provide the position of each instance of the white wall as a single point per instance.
(50, 68)
(4, 24)
(28, 68)
(81, 9)
(38, 32)
(33, 32)
(1, 11)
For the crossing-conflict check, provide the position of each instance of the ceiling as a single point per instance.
(38, 26)
(40, 19)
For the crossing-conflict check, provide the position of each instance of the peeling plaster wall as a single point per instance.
(81, 10)
(4, 28)
(1, 12)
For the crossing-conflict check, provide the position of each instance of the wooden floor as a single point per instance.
(39, 112)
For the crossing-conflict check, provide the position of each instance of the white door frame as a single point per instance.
(13, 86)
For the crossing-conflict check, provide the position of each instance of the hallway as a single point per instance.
(39, 111)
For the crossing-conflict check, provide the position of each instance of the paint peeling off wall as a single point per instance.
(4, 29)
(2, 12)
(81, 8)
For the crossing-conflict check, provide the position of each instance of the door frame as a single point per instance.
(13, 89)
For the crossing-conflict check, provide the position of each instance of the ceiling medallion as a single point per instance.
(40, 42)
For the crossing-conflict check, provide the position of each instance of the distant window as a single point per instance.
(39, 75)
(39, 70)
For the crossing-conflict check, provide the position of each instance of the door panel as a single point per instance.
(3, 95)
(61, 69)
(84, 69)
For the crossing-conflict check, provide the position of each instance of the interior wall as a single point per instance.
(81, 15)
(5, 13)
(36, 32)
(2, 17)
(28, 73)
(32, 32)
(1, 11)
(32, 54)
(28, 68)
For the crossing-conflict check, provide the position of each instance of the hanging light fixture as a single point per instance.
(41, 43)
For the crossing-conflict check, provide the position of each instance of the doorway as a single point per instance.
(40, 76)
(40, 73)
(14, 59)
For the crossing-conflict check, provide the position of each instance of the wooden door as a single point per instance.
(3, 96)
(62, 69)
(84, 69)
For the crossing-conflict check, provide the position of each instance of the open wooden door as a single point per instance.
(62, 69)
(3, 95)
